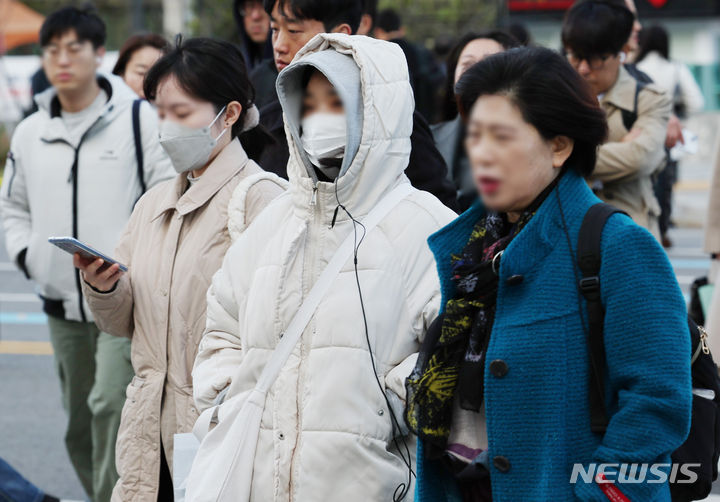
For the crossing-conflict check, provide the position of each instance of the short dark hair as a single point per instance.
(330, 13)
(521, 33)
(596, 28)
(213, 71)
(370, 8)
(87, 25)
(449, 105)
(655, 38)
(549, 93)
(389, 20)
(134, 44)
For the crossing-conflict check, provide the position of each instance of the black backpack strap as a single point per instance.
(589, 258)
(629, 117)
(138, 143)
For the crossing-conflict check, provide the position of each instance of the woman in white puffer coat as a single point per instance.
(326, 432)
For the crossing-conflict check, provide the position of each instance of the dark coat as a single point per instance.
(263, 80)
(449, 138)
(426, 77)
(253, 53)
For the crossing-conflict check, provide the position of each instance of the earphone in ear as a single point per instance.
(623, 57)
(99, 60)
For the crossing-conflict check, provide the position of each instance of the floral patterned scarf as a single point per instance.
(452, 358)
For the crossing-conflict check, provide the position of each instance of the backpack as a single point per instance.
(629, 117)
(695, 309)
(702, 445)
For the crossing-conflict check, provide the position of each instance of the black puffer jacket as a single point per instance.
(253, 53)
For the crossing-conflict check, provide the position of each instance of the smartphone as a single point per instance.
(72, 246)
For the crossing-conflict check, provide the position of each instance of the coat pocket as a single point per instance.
(128, 447)
(35, 265)
(187, 414)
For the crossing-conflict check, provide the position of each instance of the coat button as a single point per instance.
(514, 280)
(498, 368)
(501, 463)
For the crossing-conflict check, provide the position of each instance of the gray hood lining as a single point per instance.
(344, 74)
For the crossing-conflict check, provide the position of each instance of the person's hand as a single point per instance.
(100, 277)
(674, 132)
(632, 135)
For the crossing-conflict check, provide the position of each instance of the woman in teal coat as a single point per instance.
(499, 397)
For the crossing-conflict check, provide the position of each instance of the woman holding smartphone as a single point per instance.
(172, 246)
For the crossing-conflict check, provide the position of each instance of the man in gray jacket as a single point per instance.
(74, 170)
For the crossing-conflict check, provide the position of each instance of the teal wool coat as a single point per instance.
(538, 416)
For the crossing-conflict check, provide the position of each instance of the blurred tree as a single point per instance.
(426, 20)
(214, 18)
(122, 17)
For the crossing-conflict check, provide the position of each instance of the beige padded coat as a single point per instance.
(173, 244)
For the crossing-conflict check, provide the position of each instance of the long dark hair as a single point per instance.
(449, 107)
(134, 44)
(213, 71)
(655, 38)
(549, 93)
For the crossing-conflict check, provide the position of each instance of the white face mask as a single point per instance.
(188, 148)
(324, 136)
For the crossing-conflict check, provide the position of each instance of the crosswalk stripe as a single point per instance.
(23, 318)
(692, 186)
(685, 280)
(25, 348)
(19, 298)
(693, 264)
(687, 252)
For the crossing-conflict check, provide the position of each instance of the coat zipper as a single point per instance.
(311, 258)
(73, 178)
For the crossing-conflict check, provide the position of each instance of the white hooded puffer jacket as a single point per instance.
(326, 431)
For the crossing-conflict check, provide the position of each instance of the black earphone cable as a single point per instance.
(402, 490)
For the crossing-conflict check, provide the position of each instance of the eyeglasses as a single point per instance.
(594, 63)
(53, 52)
